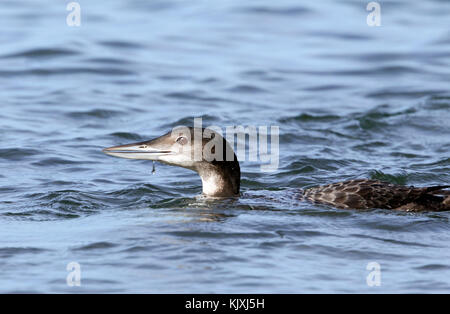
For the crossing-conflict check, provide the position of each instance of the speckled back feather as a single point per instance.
(365, 194)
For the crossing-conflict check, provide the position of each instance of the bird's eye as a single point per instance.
(181, 140)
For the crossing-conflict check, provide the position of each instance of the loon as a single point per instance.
(220, 174)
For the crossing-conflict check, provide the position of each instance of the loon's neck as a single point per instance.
(220, 178)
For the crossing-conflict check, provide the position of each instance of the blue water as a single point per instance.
(351, 101)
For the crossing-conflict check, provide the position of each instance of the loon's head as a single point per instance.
(202, 150)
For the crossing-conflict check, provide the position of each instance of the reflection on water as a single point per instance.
(351, 101)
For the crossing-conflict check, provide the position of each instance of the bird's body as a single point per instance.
(218, 167)
(365, 194)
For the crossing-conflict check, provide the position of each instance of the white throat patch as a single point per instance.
(213, 184)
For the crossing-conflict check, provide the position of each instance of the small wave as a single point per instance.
(95, 246)
(55, 205)
(39, 215)
(6, 252)
(223, 235)
(43, 53)
(127, 136)
(189, 121)
(306, 117)
(49, 162)
(95, 113)
(438, 164)
(439, 267)
(66, 71)
(17, 153)
(325, 87)
(286, 11)
(246, 89)
(322, 163)
(381, 112)
(413, 94)
(136, 191)
(113, 61)
(121, 44)
(391, 241)
(338, 35)
(437, 102)
(193, 95)
(175, 77)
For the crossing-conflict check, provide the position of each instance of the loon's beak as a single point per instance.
(141, 150)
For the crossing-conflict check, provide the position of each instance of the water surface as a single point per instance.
(351, 101)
